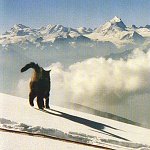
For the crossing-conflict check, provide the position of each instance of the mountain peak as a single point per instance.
(134, 26)
(114, 24)
(20, 30)
(117, 22)
(115, 19)
(56, 28)
(19, 26)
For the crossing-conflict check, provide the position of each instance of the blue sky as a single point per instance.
(72, 13)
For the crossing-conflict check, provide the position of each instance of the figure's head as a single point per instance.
(46, 73)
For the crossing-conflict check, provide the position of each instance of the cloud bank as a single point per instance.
(99, 80)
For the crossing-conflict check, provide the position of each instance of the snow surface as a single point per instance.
(16, 114)
(35, 143)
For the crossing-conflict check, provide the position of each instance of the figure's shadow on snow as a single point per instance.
(92, 124)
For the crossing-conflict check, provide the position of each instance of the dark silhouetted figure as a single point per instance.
(39, 85)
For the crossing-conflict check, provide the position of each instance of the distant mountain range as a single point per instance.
(113, 34)
(112, 39)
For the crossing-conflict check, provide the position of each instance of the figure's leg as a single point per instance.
(47, 101)
(31, 98)
(40, 102)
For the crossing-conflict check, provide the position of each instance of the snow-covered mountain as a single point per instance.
(50, 33)
(17, 115)
(118, 33)
(114, 25)
(113, 31)
(53, 32)
(18, 34)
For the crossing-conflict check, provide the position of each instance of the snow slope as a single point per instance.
(36, 143)
(16, 114)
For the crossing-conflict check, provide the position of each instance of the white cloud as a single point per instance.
(101, 80)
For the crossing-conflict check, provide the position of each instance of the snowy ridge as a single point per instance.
(75, 125)
(8, 124)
